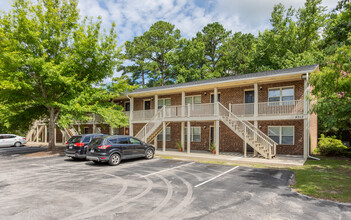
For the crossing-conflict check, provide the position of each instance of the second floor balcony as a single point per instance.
(282, 108)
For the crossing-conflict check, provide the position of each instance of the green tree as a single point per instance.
(213, 36)
(51, 65)
(332, 92)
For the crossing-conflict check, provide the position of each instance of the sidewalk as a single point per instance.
(236, 158)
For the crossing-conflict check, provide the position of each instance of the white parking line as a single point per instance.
(216, 176)
(150, 174)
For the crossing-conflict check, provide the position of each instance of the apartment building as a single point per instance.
(265, 113)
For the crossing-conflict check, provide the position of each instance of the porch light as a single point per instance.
(205, 93)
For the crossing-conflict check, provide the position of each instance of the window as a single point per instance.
(86, 130)
(127, 106)
(87, 139)
(123, 140)
(193, 99)
(147, 104)
(168, 135)
(195, 134)
(115, 131)
(282, 134)
(113, 140)
(283, 95)
(134, 141)
(162, 102)
(218, 97)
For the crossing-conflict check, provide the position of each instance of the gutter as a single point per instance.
(308, 124)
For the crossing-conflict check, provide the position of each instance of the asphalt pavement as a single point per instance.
(60, 188)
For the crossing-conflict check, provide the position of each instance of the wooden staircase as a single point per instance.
(156, 133)
(251, 135)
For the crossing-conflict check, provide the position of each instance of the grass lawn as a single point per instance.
(329, 178)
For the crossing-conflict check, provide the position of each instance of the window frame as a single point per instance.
(192, 134)
(218, 97)
(164, 103)
(125, 103)
(281, 102)
(193, 99)
(168, 136)
(281, 132)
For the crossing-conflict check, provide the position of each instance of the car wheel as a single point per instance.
(149, 154)
(18, 144)
(114, 160)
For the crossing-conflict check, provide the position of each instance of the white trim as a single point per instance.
(144, 100)
(164, 103)
(281, 89)
(125, 106)
(192, 134)
(248, 90)
(166, 134)
(228, 81)
(192, 99)
(280, 133)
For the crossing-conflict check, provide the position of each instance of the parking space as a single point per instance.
(60, 188)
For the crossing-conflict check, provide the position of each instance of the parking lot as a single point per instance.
(60, 188)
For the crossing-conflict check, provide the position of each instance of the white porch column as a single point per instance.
(182, 136)
(94, 126)
(188, 138)
(256, 126)
(164, 136)
(46, 134)
(183, 104)
(245, 144)
(305, 122)
(255, 100)
(215, 100)
(131, 112)
(216, 136)
(37, 135)
(156, 104)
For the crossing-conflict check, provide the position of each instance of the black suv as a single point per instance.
(76, 146)
(113, 149)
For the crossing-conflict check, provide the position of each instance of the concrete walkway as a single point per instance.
(237, 158)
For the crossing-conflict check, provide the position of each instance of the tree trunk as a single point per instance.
(52, 126)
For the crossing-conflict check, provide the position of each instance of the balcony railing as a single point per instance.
(292, 107)
(143, 115)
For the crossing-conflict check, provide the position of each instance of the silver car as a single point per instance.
(9, 140)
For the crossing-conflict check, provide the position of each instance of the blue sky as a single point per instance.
(133, 17)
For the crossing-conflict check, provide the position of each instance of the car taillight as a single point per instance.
(79, 144)
(24, 138)
(66, 143)
(104, 147)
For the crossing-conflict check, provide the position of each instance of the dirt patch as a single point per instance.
(57, 152)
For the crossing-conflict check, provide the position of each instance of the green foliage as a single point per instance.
(329, 146)
(332, 91)
(149, 55)
(52, 65)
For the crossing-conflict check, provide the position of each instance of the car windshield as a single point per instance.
(75, 139)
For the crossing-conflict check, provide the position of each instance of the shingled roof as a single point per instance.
(296, 70)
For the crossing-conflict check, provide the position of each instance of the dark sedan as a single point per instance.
(76, 146)
(113, 149)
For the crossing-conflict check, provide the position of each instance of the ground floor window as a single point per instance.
(195, 134)
(282, 134)
(168, 135)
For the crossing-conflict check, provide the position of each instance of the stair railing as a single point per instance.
(150, 127)
(249, 130)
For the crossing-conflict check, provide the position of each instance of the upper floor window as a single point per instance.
(284, 95)
(196, 99)
(162, 102)
(127, 106)
(218, 97)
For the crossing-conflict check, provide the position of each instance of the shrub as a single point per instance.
(329, 146)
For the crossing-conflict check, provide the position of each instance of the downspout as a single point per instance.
(308, 123)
